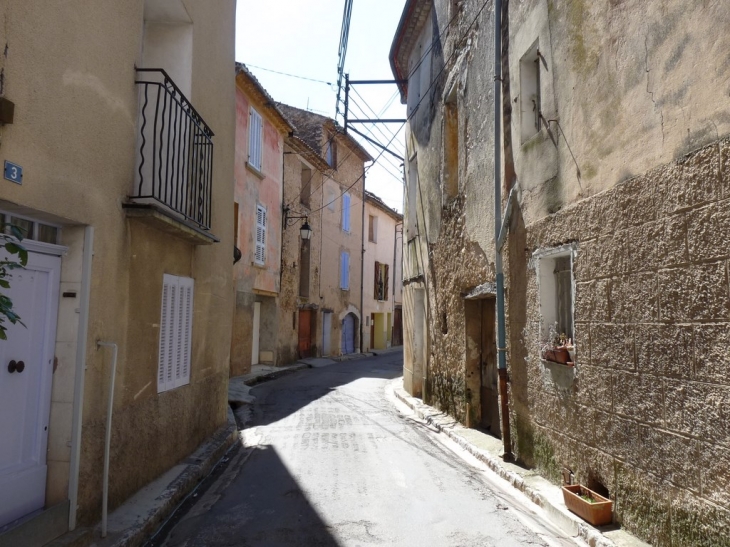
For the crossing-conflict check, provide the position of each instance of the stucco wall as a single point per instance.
(70, 72)
(382, 251)
(252, 188)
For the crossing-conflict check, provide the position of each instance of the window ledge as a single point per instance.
(258, 265)
(165, 221)
(255, 171)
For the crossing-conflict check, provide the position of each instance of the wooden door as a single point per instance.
(305, 333)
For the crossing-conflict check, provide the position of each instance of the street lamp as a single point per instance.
(305, 231)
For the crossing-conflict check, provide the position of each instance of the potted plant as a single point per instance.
(558, 348)
(591, 507)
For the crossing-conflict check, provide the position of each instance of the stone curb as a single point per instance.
(198, 465)
(277, 374)
(586, 532)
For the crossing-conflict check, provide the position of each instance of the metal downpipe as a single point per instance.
(501, 342)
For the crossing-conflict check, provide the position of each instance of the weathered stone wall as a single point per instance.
(645, 412)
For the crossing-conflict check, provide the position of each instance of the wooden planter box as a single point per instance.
(597, 513)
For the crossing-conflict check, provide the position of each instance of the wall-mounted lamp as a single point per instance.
(305, 231)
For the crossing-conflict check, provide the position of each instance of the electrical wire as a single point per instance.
(415, 108)
(291, 75)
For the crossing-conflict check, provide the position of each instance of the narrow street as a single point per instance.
(331, 461)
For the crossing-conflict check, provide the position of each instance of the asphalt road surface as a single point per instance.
(330, 460)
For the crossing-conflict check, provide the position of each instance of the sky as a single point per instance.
(301, 38)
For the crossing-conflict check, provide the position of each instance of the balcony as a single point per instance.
(174, 173)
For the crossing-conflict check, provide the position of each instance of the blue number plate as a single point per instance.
(13, 173)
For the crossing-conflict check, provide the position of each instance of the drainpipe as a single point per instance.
(80, 371)
(108, 437)
(362, 258)
(501, 342)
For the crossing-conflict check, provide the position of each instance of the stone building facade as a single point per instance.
(615, 148)
(332, 309)
(126, 240)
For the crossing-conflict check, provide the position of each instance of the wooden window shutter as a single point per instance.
(385, 281)
(346, 212)
(376, 279)
(344, 270)
(186, 331)
(260, 252)
(255, 133)
(176, 323)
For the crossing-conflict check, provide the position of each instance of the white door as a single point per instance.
(25, 387)
(327, 334)
(256, 329)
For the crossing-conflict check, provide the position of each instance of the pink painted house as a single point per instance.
(260, 132)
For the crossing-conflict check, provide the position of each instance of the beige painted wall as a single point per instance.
(383, 251)
(70, 72)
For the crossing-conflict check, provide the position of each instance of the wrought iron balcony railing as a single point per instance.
(174, 150)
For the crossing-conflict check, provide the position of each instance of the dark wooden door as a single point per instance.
(305, 333)
(398, 327)
(489, 396)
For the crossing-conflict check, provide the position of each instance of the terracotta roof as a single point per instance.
(250, 84)
(414, 17)
(380, 204)
(314, 129)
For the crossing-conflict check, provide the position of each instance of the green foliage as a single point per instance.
(12, 256)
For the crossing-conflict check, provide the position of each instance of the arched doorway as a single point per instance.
(349, 324)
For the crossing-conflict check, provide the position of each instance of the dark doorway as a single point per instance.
(482, 376)
(397, 327)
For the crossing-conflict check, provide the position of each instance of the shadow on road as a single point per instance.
(257, 504)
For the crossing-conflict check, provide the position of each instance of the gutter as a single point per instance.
(501, 337)
(362, 259)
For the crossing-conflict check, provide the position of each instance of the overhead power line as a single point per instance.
(290, 75)
(342, 52)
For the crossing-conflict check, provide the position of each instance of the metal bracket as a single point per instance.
(507, 216)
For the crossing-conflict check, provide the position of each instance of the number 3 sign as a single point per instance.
(13, 173)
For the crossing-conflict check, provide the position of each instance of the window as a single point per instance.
(372, 228)
(176, 327)
(306, 186)
(556, 291)
(530, 107)
(30, 229)
(304, 265)
(168, 41)
(345, 271)
(235, 224)
(260, 256)
(414, 269)
(331, 199)
(331, 152)
(255, 133)
(346, 212)
(380, 290)
(451, 149)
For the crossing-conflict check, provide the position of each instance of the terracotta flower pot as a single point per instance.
(557, 355)
(598, 512)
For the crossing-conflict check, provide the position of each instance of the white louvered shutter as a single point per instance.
(173, 368)
(260, 256)
(346, 212)
(255, 133)
(185, 331)
(344, 270)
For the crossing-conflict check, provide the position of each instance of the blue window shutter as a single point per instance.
(344, 270)
(346, 212)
